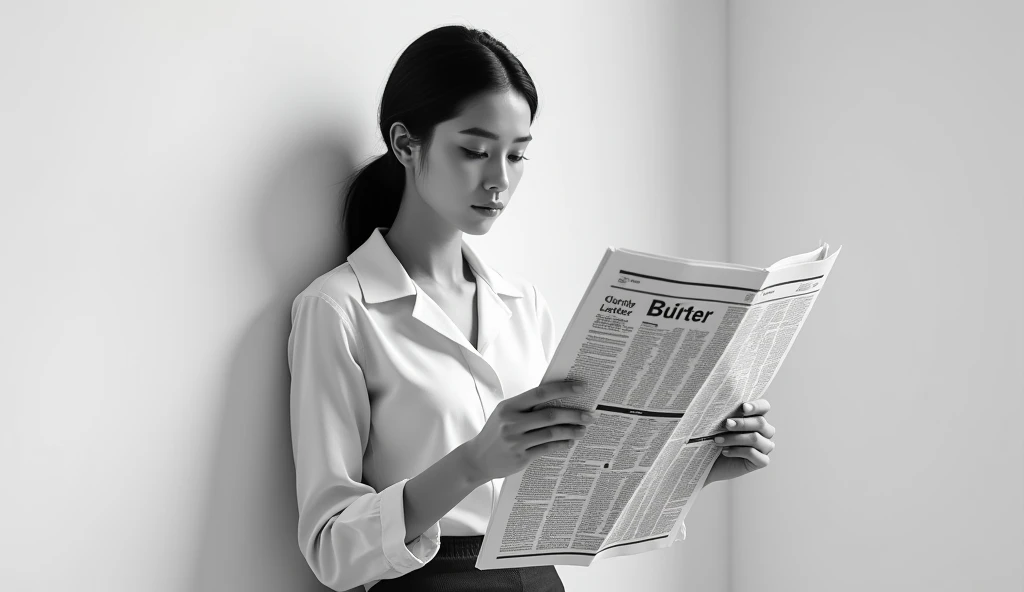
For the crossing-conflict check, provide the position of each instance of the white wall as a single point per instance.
(169, 185)
(894, 129)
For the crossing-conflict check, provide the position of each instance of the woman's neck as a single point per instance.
(429, 254)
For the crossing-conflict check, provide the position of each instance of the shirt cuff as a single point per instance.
(404, 558)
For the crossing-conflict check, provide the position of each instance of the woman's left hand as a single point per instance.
(746, 448)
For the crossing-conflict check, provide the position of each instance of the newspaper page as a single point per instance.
(669, 348)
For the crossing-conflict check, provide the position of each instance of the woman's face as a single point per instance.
(476, 159)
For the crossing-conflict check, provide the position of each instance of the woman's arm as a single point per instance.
(434, 492)
(348, 532)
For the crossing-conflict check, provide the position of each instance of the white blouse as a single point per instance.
(383, 385)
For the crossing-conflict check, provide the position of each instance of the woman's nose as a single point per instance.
(497, 180)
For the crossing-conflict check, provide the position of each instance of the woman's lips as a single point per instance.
(486, 211)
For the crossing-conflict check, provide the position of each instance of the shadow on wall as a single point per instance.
(248, 536)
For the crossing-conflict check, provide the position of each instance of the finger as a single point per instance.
(550, 391)
(751, 439)
(759, 459)
(755, 407)
(751, 424)
(553, 416)
(758, 423)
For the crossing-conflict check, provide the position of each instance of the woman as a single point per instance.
(415, 366)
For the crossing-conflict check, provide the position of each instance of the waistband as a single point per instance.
(459, 547)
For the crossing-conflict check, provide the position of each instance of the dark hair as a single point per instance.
(432, 81)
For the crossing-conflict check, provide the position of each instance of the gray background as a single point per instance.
(169, 184)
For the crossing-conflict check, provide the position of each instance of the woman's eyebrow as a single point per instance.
(475, 131)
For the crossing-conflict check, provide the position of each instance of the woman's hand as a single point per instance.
(516, 432)
(746, 448)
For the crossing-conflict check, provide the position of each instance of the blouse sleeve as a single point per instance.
(547, 325)
(349, 533)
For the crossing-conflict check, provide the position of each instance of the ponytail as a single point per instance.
(372, 200)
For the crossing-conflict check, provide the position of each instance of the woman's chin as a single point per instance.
(479, 226)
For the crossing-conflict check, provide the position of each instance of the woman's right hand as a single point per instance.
(516, 433)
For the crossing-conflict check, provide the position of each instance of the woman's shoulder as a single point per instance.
(338, 287)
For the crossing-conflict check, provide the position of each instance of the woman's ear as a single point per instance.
(402, 146)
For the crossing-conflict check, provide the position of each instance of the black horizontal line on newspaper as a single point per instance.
(581, 552)
(679, 297)
(661, 279)
(613, 408)
(710, 300)
(704, 438)
(627, 411)
(817, 277)
(654, 277)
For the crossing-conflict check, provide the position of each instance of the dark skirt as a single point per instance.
(453, 569)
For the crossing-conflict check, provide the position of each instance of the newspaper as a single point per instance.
(670, 348)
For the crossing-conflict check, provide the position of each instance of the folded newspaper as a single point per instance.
(669, 348)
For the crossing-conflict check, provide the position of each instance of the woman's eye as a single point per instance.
(473, 154)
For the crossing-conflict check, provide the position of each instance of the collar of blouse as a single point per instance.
(382, 278)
